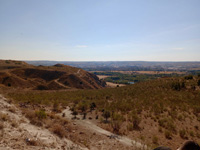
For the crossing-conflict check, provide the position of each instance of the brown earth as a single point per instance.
(21, 75)
(146, 72)
(17, 132)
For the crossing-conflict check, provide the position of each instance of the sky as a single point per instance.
(100, 30)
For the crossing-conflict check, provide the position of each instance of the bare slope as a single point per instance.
(17, 133)
(47, 78)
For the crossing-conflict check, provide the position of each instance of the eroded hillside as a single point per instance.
(21, 75)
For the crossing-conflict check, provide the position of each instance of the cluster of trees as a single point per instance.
(120, 78)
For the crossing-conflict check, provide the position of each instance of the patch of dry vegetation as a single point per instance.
(170, 105)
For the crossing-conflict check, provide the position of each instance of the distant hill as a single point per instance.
(19, 74)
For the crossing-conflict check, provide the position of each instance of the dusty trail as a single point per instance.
(91, 126)
(64, 86)
(15, 136)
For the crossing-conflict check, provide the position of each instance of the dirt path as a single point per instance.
(16, 132)
(91, 126)
(56, 80)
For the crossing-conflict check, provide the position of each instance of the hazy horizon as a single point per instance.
(115, 30)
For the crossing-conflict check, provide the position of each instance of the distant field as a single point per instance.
(131, 77)
(102, 76)
(110, 84)
(146, 72)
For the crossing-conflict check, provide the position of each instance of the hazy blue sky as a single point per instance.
(151, 30)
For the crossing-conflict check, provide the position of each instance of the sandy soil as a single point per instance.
(102, 76)
(113, 85)
(89, 125)
(18, 133)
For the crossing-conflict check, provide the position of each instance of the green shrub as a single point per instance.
(189, 77)
(41, 114)
(168, 134)
(167, 123)
(191, 133)
(106, 115)
(178, 86)
(116, 122)
(183, 134)
(155, 140)
(135, 119)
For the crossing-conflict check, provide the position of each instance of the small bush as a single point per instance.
(155, 140)
(29, 114)
(4, 117)
(167, 124)
(183, 134)
(191, 133)
(36, 122)
(168, 134)
(42, 87)
(116, 122)
(58, 130)
(135, 119)
(130, 127)
(14, 124)
(106, 115)
(41, 114)
(180, 118)
(178, 86)
(189, 77)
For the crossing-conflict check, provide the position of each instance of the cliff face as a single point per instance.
(48, 78)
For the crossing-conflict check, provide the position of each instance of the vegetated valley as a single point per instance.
(162, 111)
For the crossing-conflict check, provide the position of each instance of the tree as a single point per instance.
(135, 120)
(75, 113)
(116, 122)
(84, 115)
(106, 115)
(92, 106)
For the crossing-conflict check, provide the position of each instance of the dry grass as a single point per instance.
(14, 124)
(58, 130)
(156, 103)
(4, 117)
(12, 109)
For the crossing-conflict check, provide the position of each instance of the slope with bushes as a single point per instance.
(157, 112)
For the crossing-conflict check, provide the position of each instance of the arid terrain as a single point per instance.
(21, 75)
(78, 110)
(17, 132)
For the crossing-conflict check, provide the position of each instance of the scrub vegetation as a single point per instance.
(164, 103)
